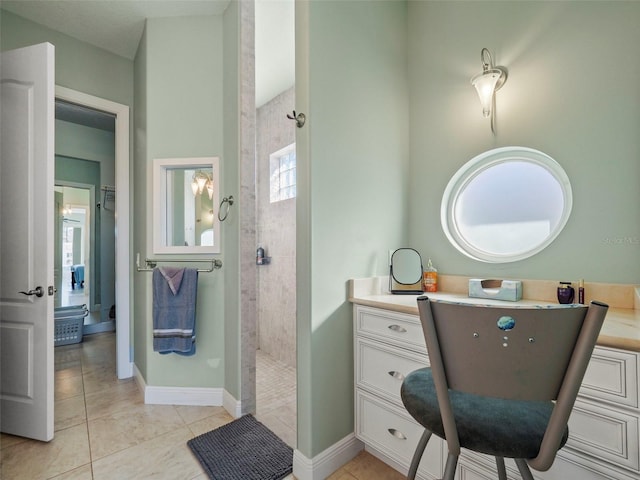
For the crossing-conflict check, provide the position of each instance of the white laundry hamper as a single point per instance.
(69, 322)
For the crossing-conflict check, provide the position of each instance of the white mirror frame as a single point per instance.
(161, 199)
(481, 163)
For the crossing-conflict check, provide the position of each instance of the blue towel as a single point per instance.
(79, 272)
(174, 314)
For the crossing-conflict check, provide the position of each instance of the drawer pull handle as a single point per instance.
(397, 328)
(396, 375)
(397, 433)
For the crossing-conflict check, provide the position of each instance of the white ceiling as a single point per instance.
(117, 26)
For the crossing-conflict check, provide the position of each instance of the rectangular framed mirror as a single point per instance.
(185, 205)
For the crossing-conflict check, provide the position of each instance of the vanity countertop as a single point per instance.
(621, 327)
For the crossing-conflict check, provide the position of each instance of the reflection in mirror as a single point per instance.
(186, 202)
(405, 272)
(189, 207)
(506, 204)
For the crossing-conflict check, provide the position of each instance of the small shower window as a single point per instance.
(282, 171)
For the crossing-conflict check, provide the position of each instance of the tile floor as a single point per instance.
(105, 431)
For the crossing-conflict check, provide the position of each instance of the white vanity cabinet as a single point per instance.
(389, 345)
(604, 428)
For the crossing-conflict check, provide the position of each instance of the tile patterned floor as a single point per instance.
(105, 431)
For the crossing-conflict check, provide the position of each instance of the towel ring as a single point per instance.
(229, 202)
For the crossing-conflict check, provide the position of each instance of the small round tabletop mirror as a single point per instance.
(405, 271)
(506, 204)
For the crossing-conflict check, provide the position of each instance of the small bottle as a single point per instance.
(565, 292)
(581, 292)
(259, 256)
(430, 278)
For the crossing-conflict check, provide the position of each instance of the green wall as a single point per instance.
(351, 82)
(572, 92)
(141, 192)
(79, 66)
(230, 231)
(179, 78)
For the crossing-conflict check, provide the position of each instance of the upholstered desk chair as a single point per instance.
(502, 381)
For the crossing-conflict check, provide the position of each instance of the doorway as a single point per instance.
(276, 271)
(84, 255)
(117, 194)
(275, 210)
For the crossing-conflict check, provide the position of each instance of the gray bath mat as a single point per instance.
(243, 450)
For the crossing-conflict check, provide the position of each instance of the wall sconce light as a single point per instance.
(200, 182)
(487, 83)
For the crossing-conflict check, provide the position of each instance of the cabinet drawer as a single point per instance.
(381, 368)
(390, 429)
(612, 375)
(604, 433)
(397, 328)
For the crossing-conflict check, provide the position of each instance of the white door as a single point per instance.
(26, 242)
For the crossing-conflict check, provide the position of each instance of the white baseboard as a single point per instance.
(326, 462)
(126, 371)
(231, 405)
(181, 395)
(92, 328)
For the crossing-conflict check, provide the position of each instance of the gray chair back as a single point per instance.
(511, 352)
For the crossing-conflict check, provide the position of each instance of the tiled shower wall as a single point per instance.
(277, 235)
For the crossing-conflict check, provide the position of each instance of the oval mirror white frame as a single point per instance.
(506, 204)
(204, 225)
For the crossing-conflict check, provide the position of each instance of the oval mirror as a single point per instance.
(405, 271)
(506, 204)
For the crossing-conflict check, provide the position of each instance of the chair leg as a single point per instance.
(524, 469)
(502, 471)
(450, 467)
(417, 456)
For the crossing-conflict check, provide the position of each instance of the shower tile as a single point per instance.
(273, 422)
(276, 397)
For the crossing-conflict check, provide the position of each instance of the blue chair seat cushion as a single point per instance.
(494, 426)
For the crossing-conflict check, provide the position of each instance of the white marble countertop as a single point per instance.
(621, 327)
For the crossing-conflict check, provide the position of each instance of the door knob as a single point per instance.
(38, 292)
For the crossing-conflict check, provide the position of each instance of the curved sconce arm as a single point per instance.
(487, 83)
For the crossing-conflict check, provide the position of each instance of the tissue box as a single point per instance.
(510, 290)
